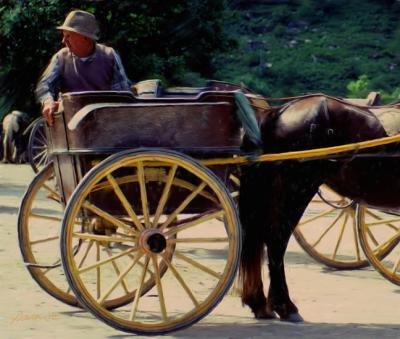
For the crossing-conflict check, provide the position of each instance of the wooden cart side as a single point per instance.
(116, 123)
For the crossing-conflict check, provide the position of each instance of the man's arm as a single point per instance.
(120, 81)
(46, 88)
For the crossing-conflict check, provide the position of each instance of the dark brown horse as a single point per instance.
(273, 196)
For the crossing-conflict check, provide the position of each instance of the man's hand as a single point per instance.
(49, 107)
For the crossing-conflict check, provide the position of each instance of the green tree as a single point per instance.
(166, 39)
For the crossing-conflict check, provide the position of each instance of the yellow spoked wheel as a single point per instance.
(165, 210)
(379, 233)
(328, 232)
(39, 228)
(39, 225)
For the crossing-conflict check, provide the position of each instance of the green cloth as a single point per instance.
(247, 118)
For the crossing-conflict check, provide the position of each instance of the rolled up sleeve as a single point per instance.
(120, 81)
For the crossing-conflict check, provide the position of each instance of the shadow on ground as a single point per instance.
(277, 329)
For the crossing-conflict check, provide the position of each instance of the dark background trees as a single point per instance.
(169, 39)
(275, 47)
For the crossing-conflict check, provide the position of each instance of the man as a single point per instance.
(83, 65)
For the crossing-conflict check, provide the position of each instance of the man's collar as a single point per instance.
(90, 57)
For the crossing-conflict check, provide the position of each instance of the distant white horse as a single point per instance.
(13, 140)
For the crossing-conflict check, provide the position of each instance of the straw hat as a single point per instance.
(81, 22)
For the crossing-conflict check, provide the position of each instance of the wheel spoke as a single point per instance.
(42, 135)
(396, 267)
(40, 147)
(388, 245)
(38, 144)
(106, 238)
(346, 217)
(120, 278)
(52, 192)
(108, 217)
(384, 222)
(193, 223)
(35, 242)
(182, 206)
(109, 259)
(42, 160)
(190, 187)
(180, 280)
(376, 243)
(83, 259)
(165, 194)
(234, 194)
(46, 217)
(40, 154)
(198, 240)
(159, 287)
(317, 217)
(328, 229)
(121, 196)
(235, 180)
(98, 271)
(138, 293)
(143, 194)
(387, 221)
(197, 265)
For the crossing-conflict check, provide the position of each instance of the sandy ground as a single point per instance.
(350, 304)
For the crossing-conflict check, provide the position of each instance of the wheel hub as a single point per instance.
(152, 241)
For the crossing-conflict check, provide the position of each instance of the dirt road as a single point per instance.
(350, 304)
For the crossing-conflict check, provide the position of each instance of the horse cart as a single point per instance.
(139, 199)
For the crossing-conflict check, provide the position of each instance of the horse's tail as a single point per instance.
(253, 249)
(250, 271)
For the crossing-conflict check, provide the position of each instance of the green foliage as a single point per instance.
(359, 88)
(339, 47)
(165, 39)
(362, 86)
(302, 46)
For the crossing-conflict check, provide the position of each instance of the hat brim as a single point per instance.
(88, 35)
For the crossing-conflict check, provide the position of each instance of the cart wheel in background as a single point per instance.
(379, 234)
(38, 146)
(39, 226)
(331, 216)
(159, 198)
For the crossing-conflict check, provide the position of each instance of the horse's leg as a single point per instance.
(8, 137)
(292, 189)
(251, 205)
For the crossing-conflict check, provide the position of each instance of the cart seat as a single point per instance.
(153, 88)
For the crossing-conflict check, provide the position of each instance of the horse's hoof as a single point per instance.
(293, 318)
(265, 314)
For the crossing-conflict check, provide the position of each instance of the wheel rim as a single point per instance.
(379, 234)
(39, 225)
(152, 229)
(38, 146)
(322, 222)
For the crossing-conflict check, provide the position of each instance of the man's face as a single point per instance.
(76, 43)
